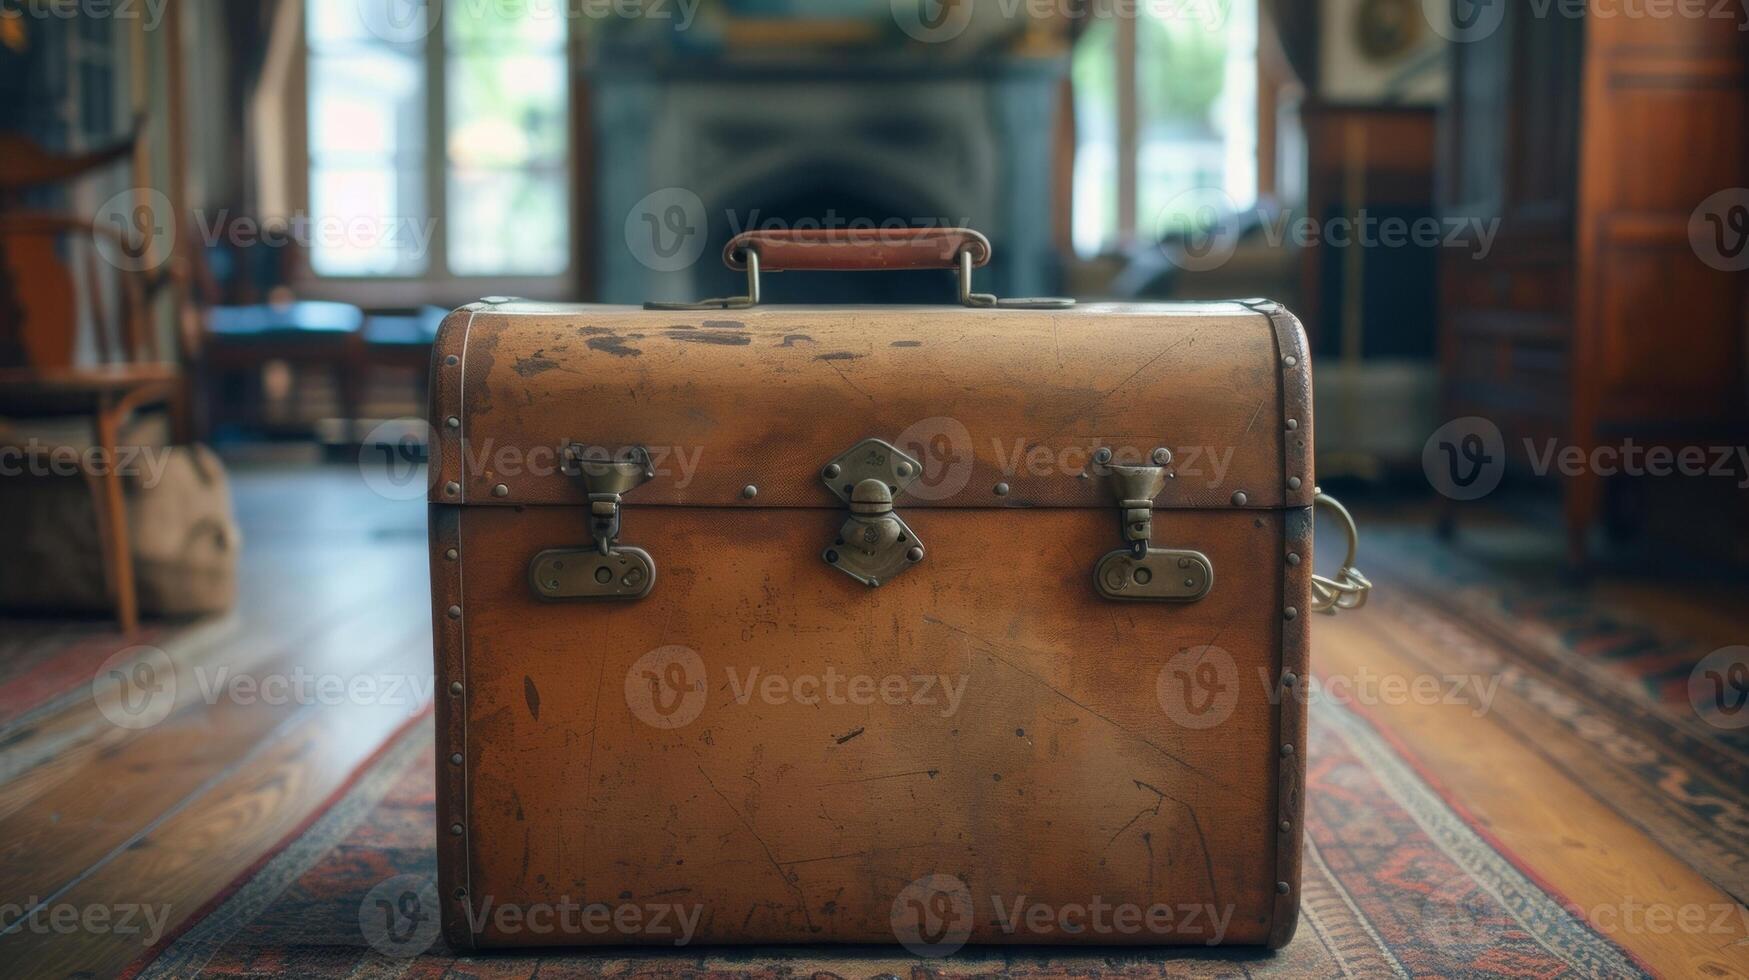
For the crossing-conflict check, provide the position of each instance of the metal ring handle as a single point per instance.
(1348, 590)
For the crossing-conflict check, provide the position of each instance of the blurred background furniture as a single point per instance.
(1594, 319)
(77, 342)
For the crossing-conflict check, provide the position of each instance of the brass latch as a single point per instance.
(609, 570)
(1140, 571)
(875, 544)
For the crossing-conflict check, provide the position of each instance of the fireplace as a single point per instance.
(848, 144)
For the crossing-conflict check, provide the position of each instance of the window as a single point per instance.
(474, 150)
(1165, 105)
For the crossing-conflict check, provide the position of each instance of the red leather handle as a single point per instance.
(857, 249)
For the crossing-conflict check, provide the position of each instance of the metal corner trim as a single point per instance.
(454, 871)
(1288, 817)
(446, 410)
(1294, 361)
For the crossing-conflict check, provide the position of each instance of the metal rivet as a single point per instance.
(452, 488)
(1290, 360)
(833, 471)
(456, 829)
(1239, 499)
(452, 554)
(1290, 612)
(749, 491)
(456, 759)
(915, 554)
(1287, 750)
(453, 422)
(1001, 489)
(1289, 679)
(1102, 455)
(500, 491)
(455, 612)
(1293, 558)
(1293, 424)
(903, 469)
(1162, 456)
(1285, 826)
(461, 892)
(452, 360)
(1282, 886)
(1293, 483)
(455, 688)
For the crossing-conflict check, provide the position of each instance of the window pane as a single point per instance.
(532, 25)
(508, 222)
(371, 102)
(367, 221)
(1198, 104)
(334, 23)
(506, 110)
(366, 133)
(1094, 73)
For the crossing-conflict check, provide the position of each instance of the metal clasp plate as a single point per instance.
(1140, 571)
(608, 570)
(874, 544)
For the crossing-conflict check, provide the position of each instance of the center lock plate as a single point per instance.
(874, 544)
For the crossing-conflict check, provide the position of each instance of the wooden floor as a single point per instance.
(151, 823)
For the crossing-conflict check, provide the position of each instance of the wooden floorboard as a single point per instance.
(97, 816)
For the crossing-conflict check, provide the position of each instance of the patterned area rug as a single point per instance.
(1396, 884)
(44, 660)
(1653, 722)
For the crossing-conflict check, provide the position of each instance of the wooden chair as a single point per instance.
(56, 289)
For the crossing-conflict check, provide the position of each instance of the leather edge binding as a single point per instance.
(1294, 364)
(445, 449)
(454, 877)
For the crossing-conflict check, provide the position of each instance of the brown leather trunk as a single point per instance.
(985, 747)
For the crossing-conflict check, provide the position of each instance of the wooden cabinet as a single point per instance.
(1593, 320)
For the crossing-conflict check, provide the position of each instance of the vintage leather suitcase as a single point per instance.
(932, 625)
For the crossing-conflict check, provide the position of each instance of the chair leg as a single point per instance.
(118, 560)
